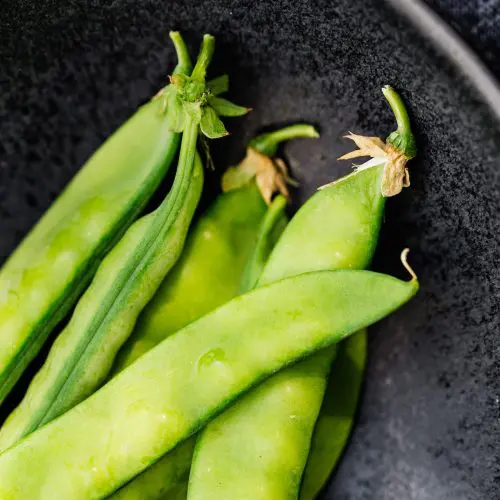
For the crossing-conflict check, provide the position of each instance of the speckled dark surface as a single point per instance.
(478, 22)
(70, 72)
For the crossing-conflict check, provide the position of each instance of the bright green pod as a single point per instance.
(45, 275)
(225, 251)
(176, 388)
(336, 417)
(336, 229)
(207, 275)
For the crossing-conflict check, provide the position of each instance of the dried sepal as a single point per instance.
(396, 175)
(271, 175)
(367, 146)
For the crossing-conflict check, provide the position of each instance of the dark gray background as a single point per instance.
(478, 22)
(72, 71)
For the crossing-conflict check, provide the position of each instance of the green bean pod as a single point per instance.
(177, 387)
(336, 416)
(45, 275)
(261, 445)
(226, 249)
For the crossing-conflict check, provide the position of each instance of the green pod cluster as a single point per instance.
(228, 245)
(271, 446)
(269, 431)
(177, 387)
(82, 356)
(45, 275)
(226, 249)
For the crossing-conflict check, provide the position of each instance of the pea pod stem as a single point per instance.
(398, 108)
(267, 144)
(274, 219)
(184, 64)
(206, 53)
(402, 138)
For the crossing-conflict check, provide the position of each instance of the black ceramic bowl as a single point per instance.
(71, 72)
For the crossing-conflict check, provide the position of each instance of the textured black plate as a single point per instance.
(72, 71)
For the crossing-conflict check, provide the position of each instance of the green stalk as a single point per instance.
(274, 222)
(206, 53)
(267, 144)
(402, 138)
(184, 65)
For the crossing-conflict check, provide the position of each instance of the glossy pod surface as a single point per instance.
(147, 410)
(81, 356)
(337, 228)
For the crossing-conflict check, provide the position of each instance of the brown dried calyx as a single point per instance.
(271, 175)
(396, 175)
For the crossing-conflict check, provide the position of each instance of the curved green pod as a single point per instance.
(336, 417)
(207, 275)
(177, 387)
(42, 279)
(225, 251)
(336, 229)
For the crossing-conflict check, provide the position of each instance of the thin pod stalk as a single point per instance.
(46, 274)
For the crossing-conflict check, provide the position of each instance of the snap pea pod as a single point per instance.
(227, 248)
(81, 358)
(177, 387)
(258, 449)
(45, 275)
